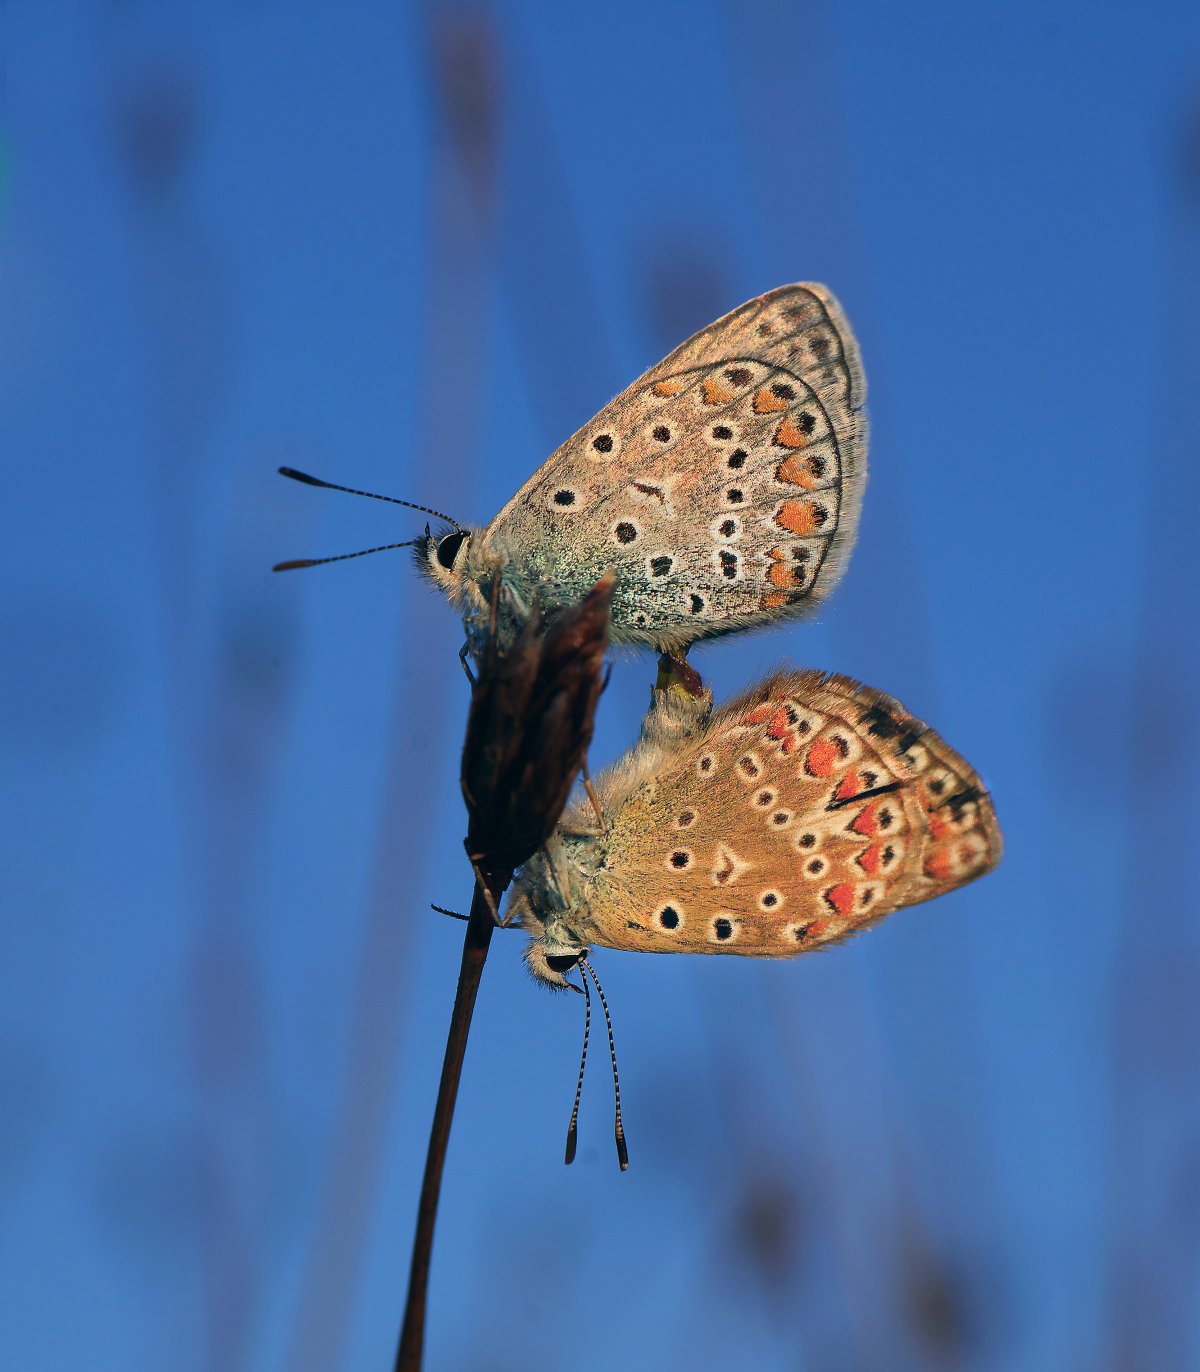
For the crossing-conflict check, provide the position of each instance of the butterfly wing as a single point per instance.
(808, 809)
(723, 486)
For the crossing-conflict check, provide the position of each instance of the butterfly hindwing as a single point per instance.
(723, 486)
(805, 811)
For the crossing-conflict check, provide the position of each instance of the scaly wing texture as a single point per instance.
(723, 487)
(809, 808)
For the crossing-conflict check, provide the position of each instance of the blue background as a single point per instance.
(412, 248)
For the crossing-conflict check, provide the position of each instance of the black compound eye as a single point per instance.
(563, 962)
(447, 549)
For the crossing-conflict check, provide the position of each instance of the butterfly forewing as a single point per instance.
(806, 811)
(800, 327)
(723, 487)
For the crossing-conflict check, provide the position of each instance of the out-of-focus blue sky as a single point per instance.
(413, 248)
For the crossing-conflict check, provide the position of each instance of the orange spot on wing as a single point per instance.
(821, 758)
(766, 403)
(848, 786)
(940, 865)
(668, 388)
(866, 822)
(790, 743)
(773, 600)
(818, 929)
(781, 573)
(780, 725)
(789, 436)
(715, 393)
(841, 897)
(795, 472)
(758, 715)
(797, 518)
(869, 859)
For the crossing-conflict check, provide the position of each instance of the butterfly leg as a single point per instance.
(464, 656)
(505, 922)
(558, 881)
(513, 917)
(487, 895)
(590, 792)
(518, 605)
(499, 920)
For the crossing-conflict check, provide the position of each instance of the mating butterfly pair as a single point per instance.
(723, 488)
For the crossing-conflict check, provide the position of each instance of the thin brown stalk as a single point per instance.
(475, 950)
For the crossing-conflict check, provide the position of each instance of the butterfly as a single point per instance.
(723, 487)
(795, 816)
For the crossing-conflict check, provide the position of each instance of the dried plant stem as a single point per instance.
(480, 925)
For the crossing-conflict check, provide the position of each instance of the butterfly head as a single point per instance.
(554, 948)
(447, 558)
(551, 967)
(549, 905)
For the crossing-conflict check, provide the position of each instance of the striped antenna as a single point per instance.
(370, 495)
(573, 1127)
(297, 562)
(618, 1127)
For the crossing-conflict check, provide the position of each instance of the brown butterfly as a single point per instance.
(723, 486)
(793, 817)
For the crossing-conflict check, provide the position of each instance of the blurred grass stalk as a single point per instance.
(222, 687)
(1153, 1215)
(462, 59)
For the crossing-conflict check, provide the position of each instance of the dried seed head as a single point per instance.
(529, 728)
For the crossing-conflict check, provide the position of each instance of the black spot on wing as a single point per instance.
(880, 723)
(960, 800)
(911, 738)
